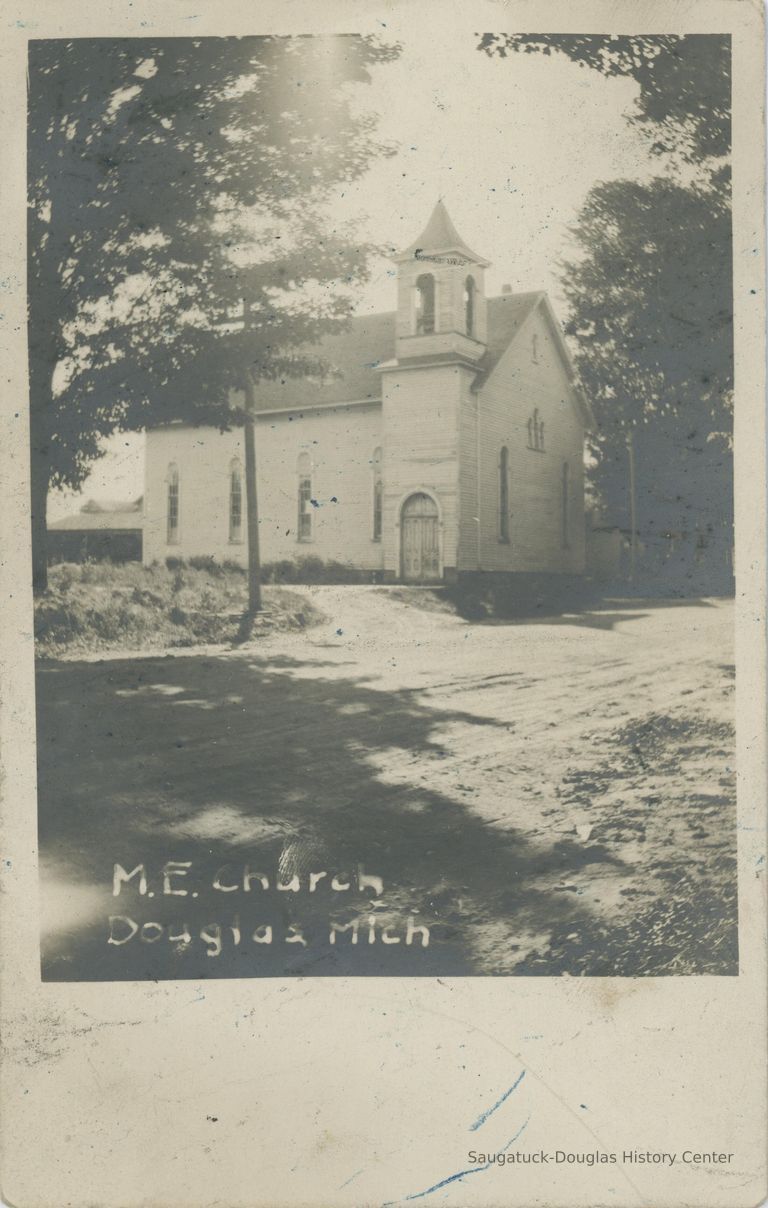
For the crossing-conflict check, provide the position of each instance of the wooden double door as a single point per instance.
(419, 539)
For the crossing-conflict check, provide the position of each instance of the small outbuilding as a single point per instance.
(101, 530)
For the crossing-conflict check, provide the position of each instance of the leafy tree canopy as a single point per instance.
(650, 305)
(168, 179)
(649, 287)
(684, 99)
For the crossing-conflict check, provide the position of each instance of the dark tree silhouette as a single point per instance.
(650, 296)
(684, 97)
(651, 311)
(169, 180)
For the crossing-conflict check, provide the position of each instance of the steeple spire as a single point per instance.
(440, 237)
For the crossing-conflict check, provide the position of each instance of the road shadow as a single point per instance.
(250, 772)
(589, 620)
(240, 768)
(576, 602)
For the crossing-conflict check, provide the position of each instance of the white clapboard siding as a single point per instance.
(439, 433)
(516, 387)
(340, 444)
(421, 409)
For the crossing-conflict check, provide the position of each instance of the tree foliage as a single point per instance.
(168, 180)
(650, 304)
(650, 290)
(684, 96)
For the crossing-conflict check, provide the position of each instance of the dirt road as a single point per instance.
(548, 797)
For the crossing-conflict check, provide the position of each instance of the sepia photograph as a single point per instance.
(381, 458)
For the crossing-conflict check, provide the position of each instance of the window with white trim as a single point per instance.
(536, 432)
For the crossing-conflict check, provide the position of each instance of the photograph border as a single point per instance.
(665, 1061)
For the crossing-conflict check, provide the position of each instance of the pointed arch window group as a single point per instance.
(536, 431)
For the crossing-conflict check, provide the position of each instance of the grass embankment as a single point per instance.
(104, 606)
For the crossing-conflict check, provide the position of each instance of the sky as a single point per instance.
(512, 146)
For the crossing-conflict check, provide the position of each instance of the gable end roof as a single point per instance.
(505, 325)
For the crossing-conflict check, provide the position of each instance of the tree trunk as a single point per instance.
(43, 356)
(251, 501)
(632, 509)
(39, 479)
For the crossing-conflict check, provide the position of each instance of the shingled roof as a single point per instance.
(101, 516)
(353, 356)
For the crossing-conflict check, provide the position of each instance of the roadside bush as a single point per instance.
(313, 570)
(230, 567)
(279, 572)
(95, 605)
(209, 564)
(66, 578)
(307, 570)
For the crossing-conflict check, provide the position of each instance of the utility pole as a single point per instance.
(632, 509)
(251, 497)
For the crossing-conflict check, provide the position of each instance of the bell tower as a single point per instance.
(429, 409)
(441, 307)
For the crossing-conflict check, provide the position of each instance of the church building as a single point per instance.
(447, 439)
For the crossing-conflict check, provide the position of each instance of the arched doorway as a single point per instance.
(419, 539)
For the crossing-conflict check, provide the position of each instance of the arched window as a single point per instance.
(469, 305)
(235, 502)
(425, 304)
(564, 508)
(304, 526)
(172, 519)
(535, 349)
(378, 495)
(504, 494)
